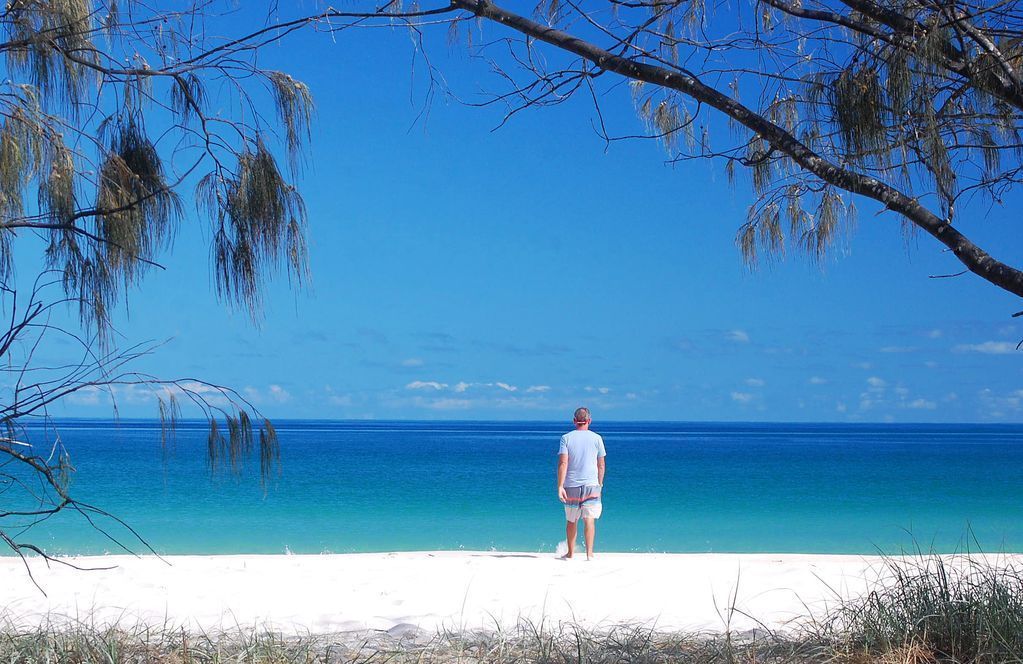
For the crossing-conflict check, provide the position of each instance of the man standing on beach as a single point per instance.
(580, 479)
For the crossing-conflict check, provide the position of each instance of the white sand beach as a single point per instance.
(434, 590)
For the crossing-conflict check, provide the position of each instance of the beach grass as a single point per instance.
(931, 610)
(964, 611)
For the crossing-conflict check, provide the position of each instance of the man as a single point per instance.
(580, 479)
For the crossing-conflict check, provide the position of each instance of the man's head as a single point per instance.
(581, 418)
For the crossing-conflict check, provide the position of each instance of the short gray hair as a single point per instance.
(581, 415)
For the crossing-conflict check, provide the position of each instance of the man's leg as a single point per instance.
(589, 528)
(571, 532)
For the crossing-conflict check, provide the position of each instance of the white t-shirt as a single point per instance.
(583, 448)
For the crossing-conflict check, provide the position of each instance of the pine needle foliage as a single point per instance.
(49, 45)
(858, 108)
(137, 208)
(294, 105)
(921, 97)
(261, 217)
(84, 76)
(106, 126)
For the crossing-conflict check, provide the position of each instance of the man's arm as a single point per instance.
(562, 471)
(600, 471)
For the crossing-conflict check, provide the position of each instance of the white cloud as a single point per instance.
(148, 394)
(921, 404)
(997, 406)
(412, 362)
(538, 388)
(601, 390)
(447, 404)
(738, 336)
(631, 396)
(425, 385)
(278, 394)
(899, 349)
(817, 380)
(210, 394)
(934, 334)
(339, 400)
(874, 394)
(199, 388)
(462, 386)
(144, 394)
(841, 407)
(987, 348)
(87, 396)
(273, 393)
(755, 382)
(742, 397)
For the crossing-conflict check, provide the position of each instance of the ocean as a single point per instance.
(365, 486)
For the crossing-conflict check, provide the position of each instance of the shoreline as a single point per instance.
(436, 590)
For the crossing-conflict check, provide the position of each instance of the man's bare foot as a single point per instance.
(567, 556)
(590, 557)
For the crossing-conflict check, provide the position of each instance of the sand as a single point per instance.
(436, 590)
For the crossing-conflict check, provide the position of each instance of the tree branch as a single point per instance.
(973, 257)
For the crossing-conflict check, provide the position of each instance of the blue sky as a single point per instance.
(465, 273)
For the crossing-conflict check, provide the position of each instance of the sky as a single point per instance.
(463, 272)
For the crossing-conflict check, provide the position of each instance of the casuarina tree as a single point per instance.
(911, 106)
(121, 121)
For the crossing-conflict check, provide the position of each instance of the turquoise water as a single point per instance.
(684, 487)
